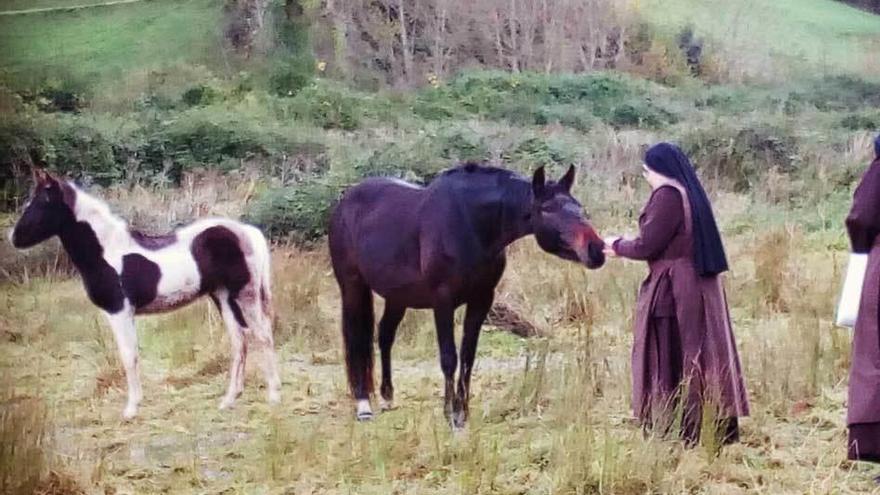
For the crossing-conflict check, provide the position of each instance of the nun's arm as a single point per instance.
(863, 221)
(663, 217)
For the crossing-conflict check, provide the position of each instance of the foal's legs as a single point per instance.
(357, 332)
(387, 330)
(261, 327)
(238, 345)
(126, 340)
(444, 321)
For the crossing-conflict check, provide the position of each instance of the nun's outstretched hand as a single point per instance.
(608, 249)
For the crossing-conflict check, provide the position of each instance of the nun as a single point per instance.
(686, 372)
(863, 404)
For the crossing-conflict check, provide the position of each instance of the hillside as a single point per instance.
(781, 37)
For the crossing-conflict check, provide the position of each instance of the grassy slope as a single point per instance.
(108, 42)
(809, 34)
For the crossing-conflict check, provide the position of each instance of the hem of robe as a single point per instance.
(727, 381)
(863, 442)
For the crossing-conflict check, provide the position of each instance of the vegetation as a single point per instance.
(155, 108)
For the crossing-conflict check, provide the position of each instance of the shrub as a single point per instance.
(741, 155)
(200, 95)
(842, 93)
(536, 151)
(328, 107)
(300, 213)
(539, 99)
(78, 150)
(289, 78)
(415, 161)
(462, 144)
(869, 121)
(18, 142)
(639, 114)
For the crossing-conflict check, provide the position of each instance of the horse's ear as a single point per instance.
(567, 180)
(538, 181)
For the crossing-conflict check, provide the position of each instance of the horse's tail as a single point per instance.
(263, 275)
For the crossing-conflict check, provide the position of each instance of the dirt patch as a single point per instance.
(108, 378)
(213, 367)
(57, 483)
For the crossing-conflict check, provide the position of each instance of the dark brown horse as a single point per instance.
(439, 247)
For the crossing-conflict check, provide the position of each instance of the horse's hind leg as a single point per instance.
(387, 330)
(261, 326)
(357, 332)
(238, 347)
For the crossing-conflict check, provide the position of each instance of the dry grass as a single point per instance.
(549, 415)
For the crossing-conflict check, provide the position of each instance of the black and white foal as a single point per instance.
(127, 273)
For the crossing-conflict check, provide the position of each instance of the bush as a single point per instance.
(741, 155)
(640, 114)
(540, 99)
(415, 161)
(289, 78)
(19, 141)
(868, 121)
(537, 151)
(573, 116)
(842, 93)
(328, 107)
(79, 151)
(200, 95)
(462, 144)
(300, 213)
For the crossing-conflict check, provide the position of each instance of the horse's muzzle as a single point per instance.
(595, 255)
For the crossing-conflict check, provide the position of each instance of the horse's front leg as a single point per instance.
(125, 333)
(475, 315)
(444, 319)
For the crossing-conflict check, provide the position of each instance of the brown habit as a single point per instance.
(863, 412)
(683, 336)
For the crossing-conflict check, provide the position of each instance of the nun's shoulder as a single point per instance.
(666, 196)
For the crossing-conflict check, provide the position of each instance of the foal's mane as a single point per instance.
(98, 214)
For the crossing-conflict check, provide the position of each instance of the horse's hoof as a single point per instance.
(274, 397)
(129, 413)
(458, 421)
(364, 411)
(387, 404)
(226, 404)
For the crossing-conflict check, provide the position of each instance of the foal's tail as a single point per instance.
(263, 275)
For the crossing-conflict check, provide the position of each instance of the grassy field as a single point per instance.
(773, 38)
(167, 133)
(93, 45)
(549, 415)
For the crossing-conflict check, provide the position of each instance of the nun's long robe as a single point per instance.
(863, 404)
(683, 344)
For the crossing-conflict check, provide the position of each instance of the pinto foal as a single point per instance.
(127, 273)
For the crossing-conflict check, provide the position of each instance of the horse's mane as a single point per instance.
(480, 168)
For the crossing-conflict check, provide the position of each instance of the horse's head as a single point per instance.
(44, 214)
(559, 223)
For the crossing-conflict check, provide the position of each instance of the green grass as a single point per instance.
(108, 42)
(11, 5)
(806, 34)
